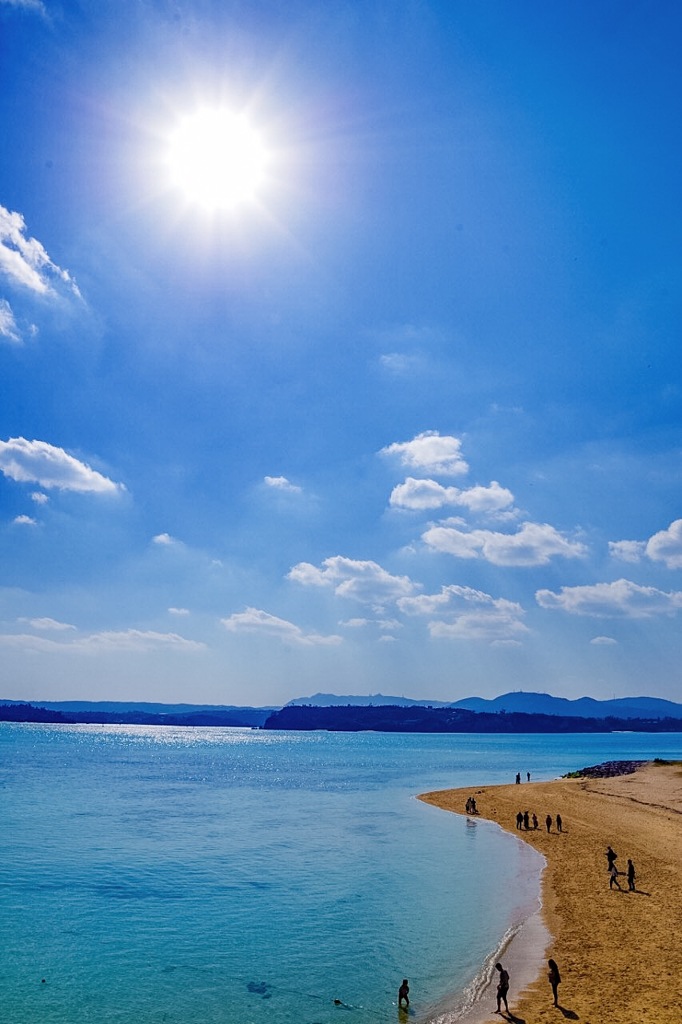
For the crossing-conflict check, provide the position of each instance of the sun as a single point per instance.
(217, 158)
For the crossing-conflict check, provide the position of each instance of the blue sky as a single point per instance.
(405, 416)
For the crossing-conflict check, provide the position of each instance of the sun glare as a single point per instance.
(217, 159)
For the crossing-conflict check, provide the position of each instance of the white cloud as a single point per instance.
(468, 614)
(47, 623)
(179, 611)
(666, 546)
(24, 521)
(163, 539)
(627, 550)
(25, 261)
(355, 623)
(39, 498)
(280, 483)
(423, 494)
(430, 452)
(612, 600)
(43, 463)
(8, 325)
(364, 581)
(125, 640)
(255, 620)
(603, 641)
(492, 498)
(532, 544)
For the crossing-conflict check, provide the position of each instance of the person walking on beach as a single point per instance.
(554, 979)
(535, 820)
(502, 988)
(559, 823)
(527, 776)
(631, 876)
(518, 778)
(404, 993)
(611, 855)
(613, 877)
(548, 822)
(526, 820)
(519, 819)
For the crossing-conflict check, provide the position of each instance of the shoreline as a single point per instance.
(616, 950)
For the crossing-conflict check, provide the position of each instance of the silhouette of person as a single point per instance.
(554, 979)
(548, 822)
(631, 876)
(519, 819)
(559, 823)
(474, 808)
(528, 776)
(502, 988)
(613, 877)
(518, 778)
(535, 820)
(403, 993)
(611, 855)
(526, 820)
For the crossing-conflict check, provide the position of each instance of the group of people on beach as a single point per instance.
(524, 820)
(553, 977)
(471, 807)
(611, 858)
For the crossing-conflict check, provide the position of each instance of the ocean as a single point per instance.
(155, 874)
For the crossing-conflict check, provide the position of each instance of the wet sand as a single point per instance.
(619, 953)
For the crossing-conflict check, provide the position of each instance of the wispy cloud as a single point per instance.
(280, 483)
(27, 5)
(178, 611)
(532, 544)
(423, 494)
(430, 452)
(621, 599)
(43, 463)
(467, 614)
(627, 550)
(47, 624)
(129, 640)
(24, 260)
(364, 581)
(8, 324)
(255, 620)
(603, 641)
(25, 520)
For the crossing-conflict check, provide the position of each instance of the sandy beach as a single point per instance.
(618, 952)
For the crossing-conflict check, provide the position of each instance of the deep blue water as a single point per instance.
(214, 875)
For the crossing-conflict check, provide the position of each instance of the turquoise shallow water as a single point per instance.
(215, 875)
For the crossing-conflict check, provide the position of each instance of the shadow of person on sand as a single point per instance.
(508, 1015)
(569, 1014)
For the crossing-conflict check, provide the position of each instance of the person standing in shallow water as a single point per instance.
(554, 979)
(502, 988)
(404, 993)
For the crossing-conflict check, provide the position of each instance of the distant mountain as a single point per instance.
(582, 707)
(331, 700)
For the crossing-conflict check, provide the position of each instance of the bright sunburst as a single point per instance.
(217, 158)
